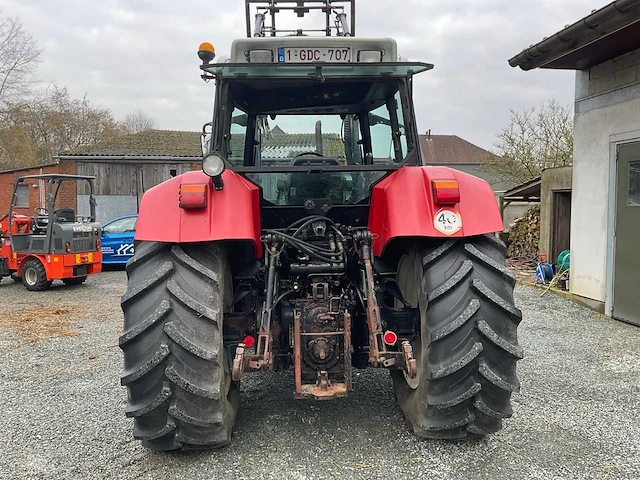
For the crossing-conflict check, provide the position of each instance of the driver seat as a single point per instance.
(303, 185)
(64, 215)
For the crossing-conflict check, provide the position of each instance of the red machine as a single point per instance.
(54, 245)
(315, 239)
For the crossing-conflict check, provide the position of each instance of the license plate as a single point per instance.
(314, 54)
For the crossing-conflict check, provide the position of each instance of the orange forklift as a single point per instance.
(55, 244)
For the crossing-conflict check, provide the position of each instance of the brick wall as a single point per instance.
(66, 196)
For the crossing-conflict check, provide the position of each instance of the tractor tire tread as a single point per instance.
(180, 396)
(472, 349)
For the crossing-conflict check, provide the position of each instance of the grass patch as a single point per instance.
(38, 322)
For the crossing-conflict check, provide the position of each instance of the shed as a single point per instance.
(552, 190)
(604, 50)
(129, 165)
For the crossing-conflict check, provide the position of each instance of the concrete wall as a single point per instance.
(614, 74)
(552, 179)
(108, 206)
(607, 103)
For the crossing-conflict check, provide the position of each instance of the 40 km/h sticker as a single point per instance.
(447, 221)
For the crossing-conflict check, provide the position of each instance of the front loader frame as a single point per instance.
(328, 7)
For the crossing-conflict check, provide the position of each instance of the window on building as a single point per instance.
(173, 172)
(22, 199)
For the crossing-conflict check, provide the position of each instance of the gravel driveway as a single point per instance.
(578, 415)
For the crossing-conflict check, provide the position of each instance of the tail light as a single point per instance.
(249, 341)
(446, 192)
(67, 247)
(98, 243)
(193, 196)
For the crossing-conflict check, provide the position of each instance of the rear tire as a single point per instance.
(181, 396)
(34, 276)
(468, 345)
(74, 280)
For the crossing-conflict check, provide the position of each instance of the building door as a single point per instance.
(626, 274)
(561, 230)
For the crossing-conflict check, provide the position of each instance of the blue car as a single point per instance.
(117, 239)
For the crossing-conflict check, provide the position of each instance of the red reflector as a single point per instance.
(390, 338)
(193, 196)
(446, 192)
(249, 341)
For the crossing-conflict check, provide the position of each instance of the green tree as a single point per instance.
(54, 123)
(17, 149)
(533, 140)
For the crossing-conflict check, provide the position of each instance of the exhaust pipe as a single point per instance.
(319, 147)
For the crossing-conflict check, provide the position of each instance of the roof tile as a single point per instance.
(450, 149)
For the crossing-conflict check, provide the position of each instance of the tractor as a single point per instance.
(53, 245)
(315, 239)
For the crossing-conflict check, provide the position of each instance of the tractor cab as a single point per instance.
(314, 121)
(54, 242)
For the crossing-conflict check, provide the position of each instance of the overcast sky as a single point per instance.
(130, 55)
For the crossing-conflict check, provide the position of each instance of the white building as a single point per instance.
(604, 49)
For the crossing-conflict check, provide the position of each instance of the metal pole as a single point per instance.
(273, 18)
(328, 17)
(342, 18)
(248, 16)
(92, 202)
(353, 18)
(259, 27)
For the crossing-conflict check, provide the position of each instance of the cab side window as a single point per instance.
(121, 226)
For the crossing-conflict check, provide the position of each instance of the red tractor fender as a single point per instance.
(403, 205)
(232, 213)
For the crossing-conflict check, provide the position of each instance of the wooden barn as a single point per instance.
(124, 169)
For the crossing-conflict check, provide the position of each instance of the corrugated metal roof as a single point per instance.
(450, 149)
(602, 35)
(440, 149)
(20, 169)
(170, 143)
(156, 143)
(528, 191)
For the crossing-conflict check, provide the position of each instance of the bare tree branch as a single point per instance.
(19, 57)
(533, 141)
(139, 121)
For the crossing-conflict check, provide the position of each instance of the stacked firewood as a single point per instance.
(524, 235)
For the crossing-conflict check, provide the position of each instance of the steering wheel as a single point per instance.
(40, 211)
(309, 153)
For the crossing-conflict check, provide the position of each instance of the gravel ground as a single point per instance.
(577, 417)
